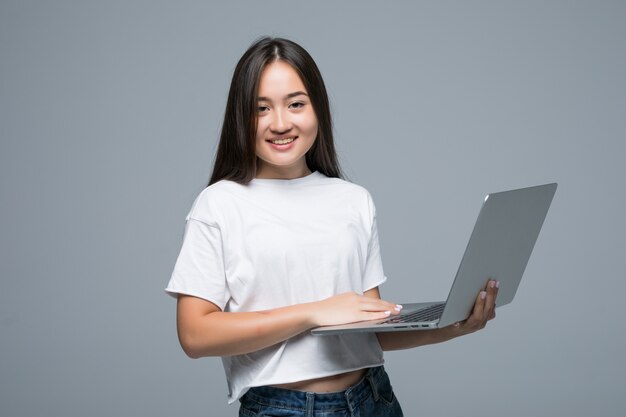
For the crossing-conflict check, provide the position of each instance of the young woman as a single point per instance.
(279, 243)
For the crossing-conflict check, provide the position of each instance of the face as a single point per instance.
(286, 123)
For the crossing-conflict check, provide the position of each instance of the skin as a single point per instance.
(284, 111)
(204, 330)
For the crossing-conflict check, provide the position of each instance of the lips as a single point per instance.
(285, 140)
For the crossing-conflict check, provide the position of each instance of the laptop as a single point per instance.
(499, 248)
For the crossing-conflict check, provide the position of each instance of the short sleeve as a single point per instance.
(199, 270)
(373, 274)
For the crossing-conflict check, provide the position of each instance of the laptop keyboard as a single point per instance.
(427, 314)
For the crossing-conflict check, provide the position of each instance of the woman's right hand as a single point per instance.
(351, 307)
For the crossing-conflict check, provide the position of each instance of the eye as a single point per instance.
(296, 105)
(262, 109)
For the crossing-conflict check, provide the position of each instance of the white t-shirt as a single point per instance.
(274, 243)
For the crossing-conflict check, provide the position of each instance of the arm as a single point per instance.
(204, 330)
(484, 310)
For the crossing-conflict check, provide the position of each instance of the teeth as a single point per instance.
(282, 141)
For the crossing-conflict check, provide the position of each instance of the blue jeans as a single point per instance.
(370, 397)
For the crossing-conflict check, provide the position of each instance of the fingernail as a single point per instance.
(483, 294)
(398, 307)
(492, 284)
(497, 284)
(387, 313)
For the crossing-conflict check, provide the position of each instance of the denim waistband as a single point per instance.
(312, 401)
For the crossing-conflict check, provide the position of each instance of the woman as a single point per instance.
(278, 244)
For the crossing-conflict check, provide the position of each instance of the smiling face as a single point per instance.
(286, 123)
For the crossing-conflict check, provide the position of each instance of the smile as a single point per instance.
(282, 141)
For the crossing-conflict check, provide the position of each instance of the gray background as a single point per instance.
(109, 114)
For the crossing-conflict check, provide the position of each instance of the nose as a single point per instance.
(280, 122)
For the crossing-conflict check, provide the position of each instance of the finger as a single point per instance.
(376, 315)
(373, 304)
(476, 318)
(461, 327)
(490, 300)
(496, 290)
(494, 295)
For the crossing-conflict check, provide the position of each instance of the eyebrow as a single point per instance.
(288, 96)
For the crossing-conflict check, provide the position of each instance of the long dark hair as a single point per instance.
(236, 158)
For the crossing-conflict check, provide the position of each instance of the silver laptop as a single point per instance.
(499, 248)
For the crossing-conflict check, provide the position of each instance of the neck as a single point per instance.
(283, 173)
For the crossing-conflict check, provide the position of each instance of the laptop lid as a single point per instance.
(499, 247)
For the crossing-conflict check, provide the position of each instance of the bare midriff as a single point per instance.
(333, 383)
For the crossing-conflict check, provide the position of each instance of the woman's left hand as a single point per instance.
(484, 310)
